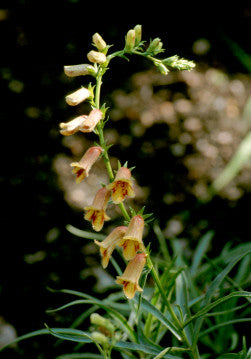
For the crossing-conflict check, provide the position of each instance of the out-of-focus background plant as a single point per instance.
(187, 132)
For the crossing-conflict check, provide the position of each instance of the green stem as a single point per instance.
(102, 140)
(163, 294)
(100, 126)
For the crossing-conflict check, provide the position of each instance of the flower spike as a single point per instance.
(82, 168)
(121, 186)
(131, 275)
(96, 212)
(108, 245)
(132, 240)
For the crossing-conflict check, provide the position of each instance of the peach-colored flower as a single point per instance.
(131, 275)
(108, 245)
(132, 240)
(78, 96)
(91, 121)
(79, 70)
(122, 185)
(73, 126)
(96, 212)
(82, 168)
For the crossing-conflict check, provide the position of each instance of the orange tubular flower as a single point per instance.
(82, 168)
(73, 126)
(108, 245)
(121, 186)
(131, 275)
(92, 120)
(96, 212)
(132, 240)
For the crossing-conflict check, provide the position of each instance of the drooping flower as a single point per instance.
(131, 275)
(132, 240)
(73, 126)
(91, 121)
(108, 245)
(122, 185)
(96, 212)
(82, 168)
(78, 96)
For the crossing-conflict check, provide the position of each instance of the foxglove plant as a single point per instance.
(121, 186)
(138, 323)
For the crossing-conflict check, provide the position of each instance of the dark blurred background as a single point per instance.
(37, 38)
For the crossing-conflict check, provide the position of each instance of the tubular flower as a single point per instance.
(131, 275)
(72, 126)
(96, 212)
(121, 186)
(79, 70)
(132, 240)
(96, 57)
(78, 96)
(82, 168)
(91, 121)
(108, 245)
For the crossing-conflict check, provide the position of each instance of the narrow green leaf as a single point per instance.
(210, 306)
(74, 335)
(201, 250)
(27, 336)
(229, 322)
(162, 353)
(101, 304)
(162, 241)
(147, 349)
(182, 298)
(160, 316)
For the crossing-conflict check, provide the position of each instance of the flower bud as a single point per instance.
(98, 320)
(78, 96)
(96, 57)
(138, 34)
(98, 42)
(78, 70)
(155, 46)
(130, 41)
(178, 63)
(100, 338)
(162, 68)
